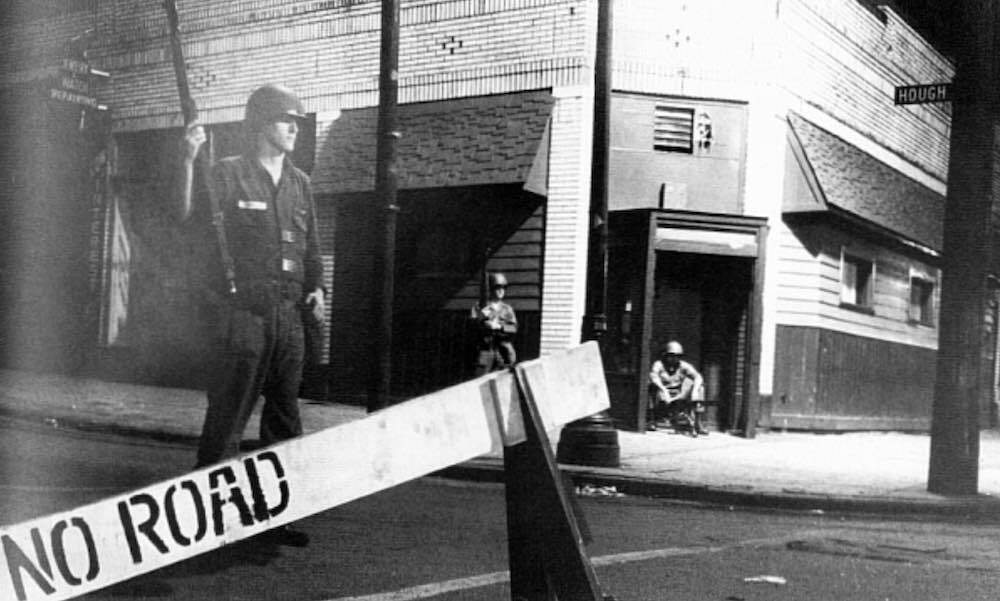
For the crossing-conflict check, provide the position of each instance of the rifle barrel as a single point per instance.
(188, 106)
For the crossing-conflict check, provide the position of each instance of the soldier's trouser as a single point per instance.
(497, 357)
(659, 408)
(258, 354)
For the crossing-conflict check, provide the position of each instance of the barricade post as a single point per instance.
(545, 541)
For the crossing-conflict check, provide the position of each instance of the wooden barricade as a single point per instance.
(74, 552)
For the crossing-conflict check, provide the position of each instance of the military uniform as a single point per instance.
(682, 402)
(272, 239)
(495, 346)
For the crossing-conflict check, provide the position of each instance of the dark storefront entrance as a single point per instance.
(702, 301)
(52, 162)
(444, 239)
(691, 277)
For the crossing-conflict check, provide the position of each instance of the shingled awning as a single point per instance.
(842, 177)
(501, 139)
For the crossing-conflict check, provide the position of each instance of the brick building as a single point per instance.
(770, 206)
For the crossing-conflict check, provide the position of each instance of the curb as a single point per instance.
(99, 426)
(981, 508)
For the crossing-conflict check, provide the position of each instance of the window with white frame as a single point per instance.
(857, 280)
(921, 299)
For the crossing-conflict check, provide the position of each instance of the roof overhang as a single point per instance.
(827, 175)
(501, 139)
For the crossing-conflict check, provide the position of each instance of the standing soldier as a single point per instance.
(496, 326)
(262, 228)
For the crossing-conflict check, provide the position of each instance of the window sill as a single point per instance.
(918, 323)
(857, 308)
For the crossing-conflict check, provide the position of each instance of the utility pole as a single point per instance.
(966, 260)
(385, 193)
(594, 440)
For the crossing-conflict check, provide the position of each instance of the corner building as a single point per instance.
(770, 207)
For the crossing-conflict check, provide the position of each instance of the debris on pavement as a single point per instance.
(766, 579)
(589, 490)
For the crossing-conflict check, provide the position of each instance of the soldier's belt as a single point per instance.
(260, 297)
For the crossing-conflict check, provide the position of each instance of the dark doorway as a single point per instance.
(702, 301)
(444, 239)
(694, 277)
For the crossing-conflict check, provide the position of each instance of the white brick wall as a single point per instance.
(676, 47)
(327, 50)
(567, 217)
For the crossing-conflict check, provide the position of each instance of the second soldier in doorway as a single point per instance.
(496, 325)
(676, 392)
(265, 275)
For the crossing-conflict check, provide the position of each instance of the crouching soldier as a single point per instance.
(676, 391)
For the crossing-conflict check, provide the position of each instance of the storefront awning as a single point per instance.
(482, 140)
(835, 176)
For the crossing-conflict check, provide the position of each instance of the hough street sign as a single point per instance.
(924, 93)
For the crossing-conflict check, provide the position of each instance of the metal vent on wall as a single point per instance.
(673, 129)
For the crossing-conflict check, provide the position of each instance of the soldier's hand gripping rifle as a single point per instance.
(190, 111)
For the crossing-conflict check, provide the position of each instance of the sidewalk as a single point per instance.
(856, 472)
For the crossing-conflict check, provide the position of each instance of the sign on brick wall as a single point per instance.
(72, 81)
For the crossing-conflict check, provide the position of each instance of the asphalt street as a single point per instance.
(441, 539)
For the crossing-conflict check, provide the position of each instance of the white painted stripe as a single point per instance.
(74, 552)
(426, 591)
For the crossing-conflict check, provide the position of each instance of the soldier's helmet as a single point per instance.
(498, 280)
(673, 348)
(269, 103)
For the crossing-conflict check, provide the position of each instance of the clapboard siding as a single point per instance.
(846, 61)
(812, 296)
(519, 258)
